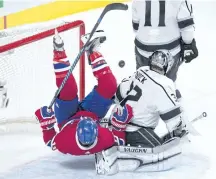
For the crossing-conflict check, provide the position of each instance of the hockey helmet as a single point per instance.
(161, 61)
(87, 131)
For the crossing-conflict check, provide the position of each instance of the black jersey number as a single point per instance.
(130, 97)
(161, 13)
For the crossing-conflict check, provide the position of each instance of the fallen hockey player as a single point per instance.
(152, 97)
(80, 132)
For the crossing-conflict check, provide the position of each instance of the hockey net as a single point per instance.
(26, 64)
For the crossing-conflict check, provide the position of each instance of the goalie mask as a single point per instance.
(87, 131)
(161, 61)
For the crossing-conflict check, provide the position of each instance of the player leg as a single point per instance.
(67, 102)
(140, 60)
(99, 100)
(172, 74)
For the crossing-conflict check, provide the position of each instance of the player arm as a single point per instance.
(135, 17)
(186, 21)
(57, 140)
(169, 108)
(123, 88)
(46, 118)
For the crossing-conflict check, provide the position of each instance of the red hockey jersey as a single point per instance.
(66, 140)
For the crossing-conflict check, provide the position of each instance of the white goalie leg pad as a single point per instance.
(106, 161)
(160, 158)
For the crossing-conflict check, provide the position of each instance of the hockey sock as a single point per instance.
(98, 64)
(61, 66)
(107, 84)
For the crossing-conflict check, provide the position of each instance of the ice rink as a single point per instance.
(24, 156)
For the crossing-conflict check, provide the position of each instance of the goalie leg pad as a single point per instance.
(160, 158)
(106, 161)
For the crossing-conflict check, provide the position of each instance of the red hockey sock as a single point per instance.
(107, 85)
(61, 67)
(98, 64)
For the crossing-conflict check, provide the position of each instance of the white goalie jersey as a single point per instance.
(152, 97)
(161, 24)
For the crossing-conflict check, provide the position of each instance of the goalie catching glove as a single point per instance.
(46, 118)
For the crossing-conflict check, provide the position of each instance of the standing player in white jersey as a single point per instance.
(164, 24)
(152, 97)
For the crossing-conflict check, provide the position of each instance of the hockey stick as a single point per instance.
(203, 115)
(190, 127)
(110, 7)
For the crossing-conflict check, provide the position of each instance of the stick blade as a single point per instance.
(116, 6)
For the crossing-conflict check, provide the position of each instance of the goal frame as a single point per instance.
(47, 33)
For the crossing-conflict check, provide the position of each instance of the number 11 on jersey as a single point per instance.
(162, 8)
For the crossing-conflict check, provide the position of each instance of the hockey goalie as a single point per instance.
(4, 100)
(151, 95)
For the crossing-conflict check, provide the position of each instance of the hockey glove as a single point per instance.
(121, 116)
(189, 51)
(178, 131)
(46, 118)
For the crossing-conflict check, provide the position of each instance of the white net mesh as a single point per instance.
(28, 69)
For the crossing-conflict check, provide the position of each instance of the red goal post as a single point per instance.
(47, 33)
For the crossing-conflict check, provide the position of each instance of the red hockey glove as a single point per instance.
(121, 116)
(46, 117)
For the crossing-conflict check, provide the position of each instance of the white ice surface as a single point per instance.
(24, 156)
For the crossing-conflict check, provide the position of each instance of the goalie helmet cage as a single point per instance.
(38, 37)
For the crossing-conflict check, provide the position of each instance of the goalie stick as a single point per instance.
(105, 121)
(189, 124)
(110, 7)
(203, 115)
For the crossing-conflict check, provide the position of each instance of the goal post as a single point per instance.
(29, 56)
